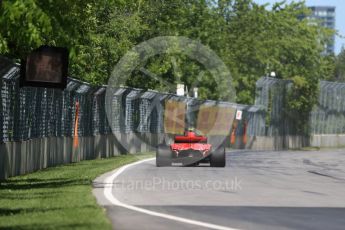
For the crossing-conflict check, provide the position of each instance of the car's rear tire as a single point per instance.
(217, 158)
(163, 156)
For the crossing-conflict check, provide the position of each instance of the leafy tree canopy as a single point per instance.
(340, 66)
(251, 39)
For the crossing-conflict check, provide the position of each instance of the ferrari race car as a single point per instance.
(190, 150)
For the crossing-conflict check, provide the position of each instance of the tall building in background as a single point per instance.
(325, 14)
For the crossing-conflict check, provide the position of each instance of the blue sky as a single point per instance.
(340, 16)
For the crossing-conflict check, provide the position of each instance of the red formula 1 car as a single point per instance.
(190, 150)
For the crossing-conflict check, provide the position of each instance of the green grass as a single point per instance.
(59, 197)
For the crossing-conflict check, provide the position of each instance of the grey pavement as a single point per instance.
(257, 190)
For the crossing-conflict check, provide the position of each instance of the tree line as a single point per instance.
(252, 40)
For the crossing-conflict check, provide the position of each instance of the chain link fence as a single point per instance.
(37, 124)
(327, 117)
(271, 95)
(28, 113)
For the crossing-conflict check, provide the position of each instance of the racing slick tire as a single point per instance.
(217, 158)
(163, 156)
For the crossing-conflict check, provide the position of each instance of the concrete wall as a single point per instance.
(17, 158)
(328, 141)
(291, 142)
(276, 142)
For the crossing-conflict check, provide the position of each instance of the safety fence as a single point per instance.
(326, 118)
(271, 95)
(38, 126)
(28, 113)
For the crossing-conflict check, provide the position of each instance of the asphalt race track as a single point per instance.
(256, 190)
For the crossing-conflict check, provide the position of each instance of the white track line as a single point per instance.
(111, 198)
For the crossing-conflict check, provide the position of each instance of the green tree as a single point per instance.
(97, 33)
(273, 40)
(23, 27)
(251, 39)
(340, 66)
